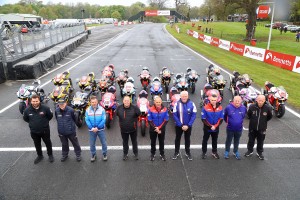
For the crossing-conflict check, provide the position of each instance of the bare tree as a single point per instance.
(160, 4)
(178, 3)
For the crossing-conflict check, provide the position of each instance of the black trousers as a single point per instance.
(187, 139)
(133, 137)
(161, 141)
(38, 137)
(260, 136)
(214, 140)
(65, 144)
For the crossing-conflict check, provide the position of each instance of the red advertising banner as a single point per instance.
(263, 11)
(214, 42)
(237, 48)
(151, 13)
(201, 37)
(280, 60)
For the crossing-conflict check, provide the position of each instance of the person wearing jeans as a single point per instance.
(234, 115)
(95, 121)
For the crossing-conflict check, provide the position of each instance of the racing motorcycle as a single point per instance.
(218, 83)
(61, 78)
(121, 80)
(143, 105)
(206, 92)
(248, 96)
(165, 76)
(156, 89)
(86, 81)
(192, 78)
(80, 103)
(276, 96)
(145, 78)
(103, 84)
(109, 103)
(181, 83)
(109, 73)
(57, 93)
(129, 89)
(25, 91)
(238, 82)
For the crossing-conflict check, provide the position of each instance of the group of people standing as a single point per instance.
(184, 114)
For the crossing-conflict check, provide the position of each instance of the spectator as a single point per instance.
(158, 118)
(259, 114)
(38, 117)
(212, 117)
(128, 115)
(234, 115)
(95, 121)
(67, 129)
(297, 36)
(184, 114)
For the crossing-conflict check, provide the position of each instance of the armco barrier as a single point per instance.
(2, 75)
(285, 61)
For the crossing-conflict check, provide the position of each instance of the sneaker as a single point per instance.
(104, 157)
(63, 158)
(175, 156)
(38, 159)
(163, 157)
(215, 155)
(136, 156)
(248, 153)
(152, 157)
(226, 154)
(237, 155)
(78, 158)
(203, 156)
(94, 157)
(125, 157)
(51, 158)
(260, 156)
(189, 156)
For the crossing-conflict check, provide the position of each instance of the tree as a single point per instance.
(160, 4)
(178, 3)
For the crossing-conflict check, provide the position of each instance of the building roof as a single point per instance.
(24, 15)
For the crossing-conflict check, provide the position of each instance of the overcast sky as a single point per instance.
(105, 2)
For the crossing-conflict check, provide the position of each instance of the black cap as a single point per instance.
(61, 101)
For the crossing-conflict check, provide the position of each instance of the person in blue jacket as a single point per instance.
(95, 121)
(184, 114)
(158, 118)
(212, 117)
(234, 115)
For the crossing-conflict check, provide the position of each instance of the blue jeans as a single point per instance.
(93, 138)
(233, 134)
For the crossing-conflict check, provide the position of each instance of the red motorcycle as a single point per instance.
(145, 77)
(103, 85)
(143, 105)
(172, 98)
(109, 73)
(108, 102)
(121, 80)
(276, 96)
(165, 78)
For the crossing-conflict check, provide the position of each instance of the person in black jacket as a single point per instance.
(128, 115)
(259, 114)
(66, 129)
(38, 117)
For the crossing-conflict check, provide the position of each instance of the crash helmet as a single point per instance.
(155, 79)
(188, 70)
(130, 79)
(143, 93)
(111, 66)
(146, 68)
(111, 89)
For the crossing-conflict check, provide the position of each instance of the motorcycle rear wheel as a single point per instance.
(143, 127)
(107, 121)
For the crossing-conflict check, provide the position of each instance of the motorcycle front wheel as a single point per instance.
(281, 110)
(22, 107)
(78, 120)
(166, 88)
(143, 127)
(107, 121)
(193, 88)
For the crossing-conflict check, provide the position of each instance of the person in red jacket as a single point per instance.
(158, 118)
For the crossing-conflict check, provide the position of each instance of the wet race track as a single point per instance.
(277, 177)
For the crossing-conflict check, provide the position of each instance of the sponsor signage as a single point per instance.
(237, 48)
(190, 32)
(195, 35)
(151, 13)
(163, 12)
(201, 37)
(255, 53)
(207, 39)
(297, 65)
(224, 44)
(280, 60)
(263, 11)
(214, 41)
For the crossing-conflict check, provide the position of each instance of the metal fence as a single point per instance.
(15, 45)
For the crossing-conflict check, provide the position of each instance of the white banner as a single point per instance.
(254, 53)
(163, 12)
(195, 35)
(207, 39)
(224, 44)
(297, 65)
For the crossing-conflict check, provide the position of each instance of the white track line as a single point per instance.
(171, 36)
(108, 41)
(148, 147)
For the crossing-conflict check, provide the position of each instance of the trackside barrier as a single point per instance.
(285, 61)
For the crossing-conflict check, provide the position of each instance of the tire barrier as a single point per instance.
(2, 75)
(38, 65)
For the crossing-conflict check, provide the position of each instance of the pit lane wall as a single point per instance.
(285, 61)
(41, 63)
